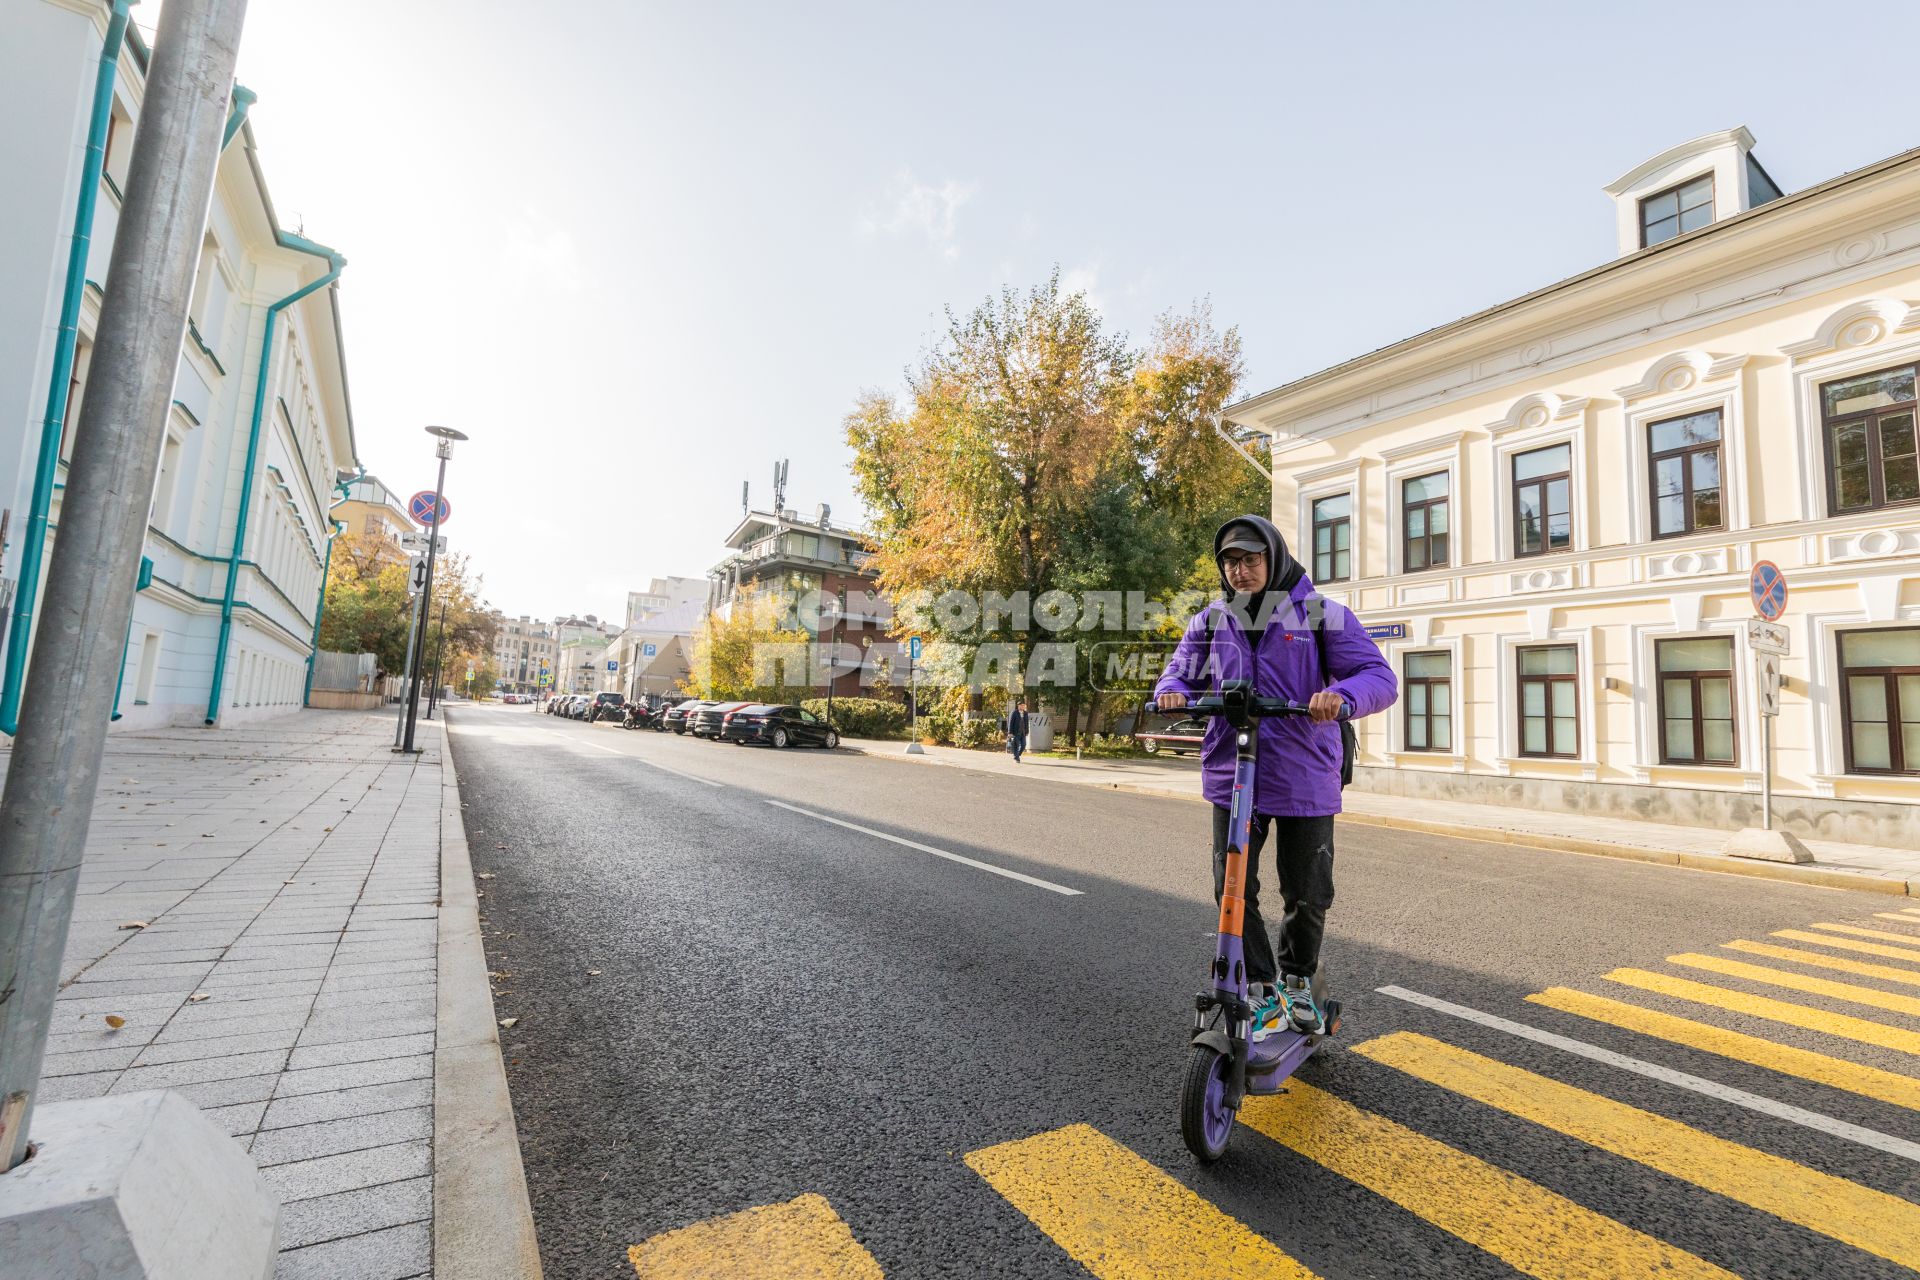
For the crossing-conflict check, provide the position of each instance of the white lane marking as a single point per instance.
(628, 755)
(1725, 1093)
(927, 848)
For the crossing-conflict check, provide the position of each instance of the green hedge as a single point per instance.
(862, 717)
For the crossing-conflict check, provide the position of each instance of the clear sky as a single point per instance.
(639, 251)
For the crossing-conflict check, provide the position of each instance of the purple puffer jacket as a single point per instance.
(1299, 771)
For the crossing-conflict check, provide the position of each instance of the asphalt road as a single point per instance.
(725, 1001)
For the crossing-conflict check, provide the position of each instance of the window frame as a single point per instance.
(1521, 679)
(1896, 747)
(1315, 524)
(1425, 504)
(1541, 482)
(1713, 205)
(1407, 681)
(1870, 420)
(1655, 457)
(1660, 716)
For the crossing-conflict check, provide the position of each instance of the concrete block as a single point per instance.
(1771, 846)
(137, 1186)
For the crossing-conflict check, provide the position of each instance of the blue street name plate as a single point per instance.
(1387, 631)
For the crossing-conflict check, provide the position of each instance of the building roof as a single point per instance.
(758, 524)
(1248, 411)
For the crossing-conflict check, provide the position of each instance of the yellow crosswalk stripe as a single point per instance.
(1857, 932)
(1119, 1216)
(803, 1239)
(1860, 1216)
(1884, 972)
(1533, 1230)
(1868, 1082)
(1800, 982)
(1785, 1011)
(1847, 944)
(1902, 916)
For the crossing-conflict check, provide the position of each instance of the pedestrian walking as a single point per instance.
(1015, 725)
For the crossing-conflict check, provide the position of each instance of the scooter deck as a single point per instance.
(1269, 1067)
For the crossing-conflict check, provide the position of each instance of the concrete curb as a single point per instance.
(1820, 877)
(482, 1219)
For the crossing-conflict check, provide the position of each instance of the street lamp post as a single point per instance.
(443, 450)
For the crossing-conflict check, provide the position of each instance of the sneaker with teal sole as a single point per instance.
(1269, 1012)
(1302, 1010)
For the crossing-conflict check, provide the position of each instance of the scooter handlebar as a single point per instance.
(1258, 708)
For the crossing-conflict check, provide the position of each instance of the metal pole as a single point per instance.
(1766, 775)
(445, 450)
(413, 638)
(439, 652)
(55, 770)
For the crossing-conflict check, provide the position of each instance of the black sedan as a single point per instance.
(778, 726)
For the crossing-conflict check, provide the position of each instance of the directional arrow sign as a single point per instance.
(417, 576)
(1769, 637)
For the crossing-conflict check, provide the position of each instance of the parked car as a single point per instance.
(708, 721)
(603, 705)
(679, 717)
(577, 709)
(553, 706)
(778, 726)
(1182, 737)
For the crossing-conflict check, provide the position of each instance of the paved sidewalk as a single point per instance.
(286, 979)
(1838, 864)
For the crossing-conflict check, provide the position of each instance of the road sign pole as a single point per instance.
(1766, 773)
(445, 450)
(413, 638)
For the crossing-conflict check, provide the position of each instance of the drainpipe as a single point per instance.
(33, 546)
(336, 264)
(335, 529)
(243, 100)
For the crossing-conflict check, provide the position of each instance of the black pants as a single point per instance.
(1303, 847)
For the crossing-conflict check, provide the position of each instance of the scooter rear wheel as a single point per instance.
(1206, 1123)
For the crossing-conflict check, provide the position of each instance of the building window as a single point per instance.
(1423, 512)
(166, 484)
(1549, 702)
(1685, 465)
(1696, 700)
(149, 673)
(1880, 700)
(1429, 702)
(1543, 500)
(1871, 457)
(1676, 211)
(1333, 538)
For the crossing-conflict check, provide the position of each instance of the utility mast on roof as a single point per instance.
(780, 485)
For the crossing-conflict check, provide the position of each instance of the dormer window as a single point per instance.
(1676, 211)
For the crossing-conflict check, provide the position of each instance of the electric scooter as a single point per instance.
(1225, 1064)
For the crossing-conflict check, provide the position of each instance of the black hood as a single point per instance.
(1283, 571)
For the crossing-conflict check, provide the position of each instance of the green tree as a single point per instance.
(369, 611)
(1037, 452)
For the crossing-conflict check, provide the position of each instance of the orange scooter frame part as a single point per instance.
(1233, 902)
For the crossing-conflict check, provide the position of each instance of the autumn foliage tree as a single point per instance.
(368, 610)
(1037, 452)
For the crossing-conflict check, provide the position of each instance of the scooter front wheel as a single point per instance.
(1206, 1122)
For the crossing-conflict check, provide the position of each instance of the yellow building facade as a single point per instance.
(1548, 512)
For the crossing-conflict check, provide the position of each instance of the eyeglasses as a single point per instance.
(1248, 560)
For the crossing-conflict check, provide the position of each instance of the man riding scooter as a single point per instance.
(1276, 630)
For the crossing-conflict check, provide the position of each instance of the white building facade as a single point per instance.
(1548, 512)
(225, 616)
